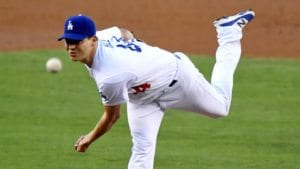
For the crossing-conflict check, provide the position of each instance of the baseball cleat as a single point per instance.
(241, 19)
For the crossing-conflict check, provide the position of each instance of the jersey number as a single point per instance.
(131, 46)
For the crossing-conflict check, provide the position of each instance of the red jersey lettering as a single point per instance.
(141, 88)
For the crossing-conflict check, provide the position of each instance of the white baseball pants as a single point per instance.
(192, 92)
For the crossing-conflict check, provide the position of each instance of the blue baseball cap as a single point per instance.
(78, 28)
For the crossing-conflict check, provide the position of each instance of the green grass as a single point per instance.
(43, 114)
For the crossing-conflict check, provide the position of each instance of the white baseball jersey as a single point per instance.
(130, 71)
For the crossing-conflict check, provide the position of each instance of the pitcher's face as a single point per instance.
(81, 50)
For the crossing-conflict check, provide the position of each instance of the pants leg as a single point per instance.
(144, 122)
(194, 93)
(227, 58)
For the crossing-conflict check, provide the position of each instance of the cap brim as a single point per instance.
(72, 36)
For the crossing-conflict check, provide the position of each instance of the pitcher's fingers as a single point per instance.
(79, 140)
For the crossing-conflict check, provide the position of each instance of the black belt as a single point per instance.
(172, 83)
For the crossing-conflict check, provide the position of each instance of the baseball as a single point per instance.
(54, 65)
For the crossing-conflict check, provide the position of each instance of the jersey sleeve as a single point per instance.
(114, 90)
(107, 34)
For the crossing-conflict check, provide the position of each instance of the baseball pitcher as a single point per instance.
(151, 80)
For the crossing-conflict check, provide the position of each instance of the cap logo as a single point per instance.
(70, 26)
